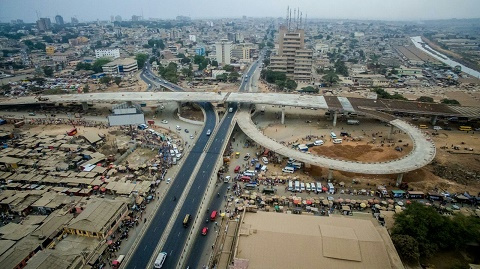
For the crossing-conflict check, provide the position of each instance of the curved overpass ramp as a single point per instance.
(422, 153)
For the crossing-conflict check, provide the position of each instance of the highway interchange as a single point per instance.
(178, 234)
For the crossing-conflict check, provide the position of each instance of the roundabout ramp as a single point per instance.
(422, 153)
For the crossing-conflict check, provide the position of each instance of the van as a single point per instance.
(437, 128)
(297, 186)
(249, 173)
(307, 186)
(160, 259)
(337, 141)
(237, 169)
(333, 135)
(250, 186)
(302, 186)
(318, 143)
(265, 160)
(288, 169)
(319, 187)
(423, 126)
(186, 220)
(290, 185)
(230, 110)
(303, 147)
(353, 122)
(331, 189)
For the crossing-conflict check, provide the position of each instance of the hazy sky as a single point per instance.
(87, 10)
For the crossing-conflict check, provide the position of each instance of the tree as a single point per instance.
(201, 61)
(97, 65)
(141, 59)
(187, 72)
(228, 68)
(341, 68)
(290, 84)
(331, 78)
(407, 247)
(105, 80)
(214, 63)
(185, 60)
(425, 99)
(381, 93)
(233, 76)
(222, 77)
(158, 43)
(450, 101)
(117, 80)
(309, 89)
(83, 66)
(86, 88)
(47, 39)
(48, 71)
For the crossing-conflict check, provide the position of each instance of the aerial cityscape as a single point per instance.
(226, 134)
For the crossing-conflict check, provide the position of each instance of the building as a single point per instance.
(136, 18)
(59, 20)
(292, 57)
(118, 18)
(74, 20)
(200, 51)
(98, 218)
(50, 50)
(333, 242)
(62, 57)
(243, 51)
(44, 24)
(120, 66)
(192, 38)
(223, 51)
(107, 53)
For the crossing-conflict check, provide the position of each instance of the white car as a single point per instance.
(168, 180)
(178, 127)
(164, 121)
(191, 136)
(162, 256)
(318, 143)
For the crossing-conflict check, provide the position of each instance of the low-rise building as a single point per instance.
(107, 53)
(120, 66)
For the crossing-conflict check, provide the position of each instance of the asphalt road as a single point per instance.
(200, 242)
(178, 235)
(149, 241)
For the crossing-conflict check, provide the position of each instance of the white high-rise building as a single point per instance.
(109, 53)
(223, 50)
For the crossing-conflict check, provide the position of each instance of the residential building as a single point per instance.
(120, 66)
(223, 51)
(242, 51)
(192, 38)
(292, 57)
(62, 57)
(109, 53)
(44, 24)
(59, 20)
(98, 219)
(74, 20)
(50, 50)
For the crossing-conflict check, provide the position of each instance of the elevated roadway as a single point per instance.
(422, 153)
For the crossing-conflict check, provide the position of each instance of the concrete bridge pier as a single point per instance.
(283, 114)
(84, 106)
(129, 103)
(330, 174)
(179, 104)
(399, 179)
(434, 119)
(391, 131)
(335, 114)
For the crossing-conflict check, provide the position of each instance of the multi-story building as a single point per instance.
(74, 20)
(50, 50)
(200, 51)
(108, 53)
(44, 24)
(120, 66)
(292, 58)
(223, 50)
(59, 20)
(242, 51)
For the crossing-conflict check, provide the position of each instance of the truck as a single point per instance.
(353, 122)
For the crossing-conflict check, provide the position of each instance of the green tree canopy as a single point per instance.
(117, 80)
(450, 101)
(105, 79)
(331, 78)
(83, 66)
(233, 76)
(290, 84)
(141, 59)
(341, 68)
(158, 43)
(228, 68)
(48, 71)
(381, 93)
(86, 88)
(425, 99)
(97, 65)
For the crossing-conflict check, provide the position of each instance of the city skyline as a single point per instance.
(344, 9)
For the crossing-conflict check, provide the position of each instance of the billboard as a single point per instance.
(126, 119)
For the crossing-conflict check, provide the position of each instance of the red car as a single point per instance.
(204, 230)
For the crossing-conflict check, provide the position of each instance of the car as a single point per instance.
(168, 180)
(162, 256)
(308, 121)
(204, 230)
(446, 128)
(31, 114)
(246, 157)
(164, 121)
(187, 131)
(318, 143)
(209, 132)
(178, 127)
(142, 126)
(191, 136)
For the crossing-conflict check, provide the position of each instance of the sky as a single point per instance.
(89, 10)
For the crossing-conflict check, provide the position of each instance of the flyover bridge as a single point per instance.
(422, 153)
(332, 103)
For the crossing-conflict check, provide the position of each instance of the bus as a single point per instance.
(465, 128)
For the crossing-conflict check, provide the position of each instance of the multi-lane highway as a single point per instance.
(146, 246)
(200, 242)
